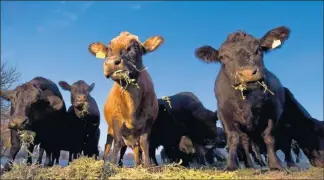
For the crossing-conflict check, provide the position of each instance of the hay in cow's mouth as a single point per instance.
(126, 78)
(84, 109)
(167, 99)
(243, 86)
(27, 138)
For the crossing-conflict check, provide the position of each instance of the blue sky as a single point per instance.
(50, 39)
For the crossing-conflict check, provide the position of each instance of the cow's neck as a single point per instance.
(132, 98)
(77, 112)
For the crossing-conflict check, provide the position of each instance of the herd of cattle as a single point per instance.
(259, 115)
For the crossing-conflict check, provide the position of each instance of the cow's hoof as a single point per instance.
(294, 168)
(276, 167)
(155, 169)
(230, 168)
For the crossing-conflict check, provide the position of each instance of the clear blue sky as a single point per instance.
(50, 39)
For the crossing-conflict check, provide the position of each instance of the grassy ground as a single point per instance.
(87, 168)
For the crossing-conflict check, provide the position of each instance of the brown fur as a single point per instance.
(121, 42)
(123, 106)
(129, 112)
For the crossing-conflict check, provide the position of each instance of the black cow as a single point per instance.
(182, 115)
(84, 117)
(250, 98)
(38, 106)
(307, 131)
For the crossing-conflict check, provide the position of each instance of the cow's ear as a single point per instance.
(152, 43)
(274, 38)
(207, 54)
(6, 94)
(55, 102)
(98, 49)
(64, 85)
(91, 87)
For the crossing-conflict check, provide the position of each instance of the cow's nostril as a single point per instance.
(117, 61)
(254, 71)
(81, 97)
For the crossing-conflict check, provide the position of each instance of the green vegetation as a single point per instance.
(88, 168)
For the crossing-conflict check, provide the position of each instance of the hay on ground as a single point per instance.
(89, 168)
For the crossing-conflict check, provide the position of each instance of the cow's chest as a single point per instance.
(251, 110)
(131, 136)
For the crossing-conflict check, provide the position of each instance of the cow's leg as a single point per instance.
(48, 160)
(297, 152)
(209, 157)
(201, 159)
(53, 157)
(219, 156)
(97, 153)
(185, 159)
(152, 155)
(121, 155)
(257, 155)
(265, 157)
(232, 136)
(14, 149)
(70, 156)
(57, 157)
(116, 149)
(137, 160)
(76, 154)
(287, 152)
(30, 154)
(40, 155)
(246, 147)
(145, 149)
(288, 158)
(109, 142)
(274, 162)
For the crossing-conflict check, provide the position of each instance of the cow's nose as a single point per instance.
(19, 122)
(24, 124)
(117, 61)
(247, 72)
(82, 98)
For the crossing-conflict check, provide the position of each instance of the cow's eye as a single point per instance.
(129, 49)
(259, 50)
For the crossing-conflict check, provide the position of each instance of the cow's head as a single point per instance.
(28, 105)
(241, 55)
(80, 93)
(124, 55)
(186, 145)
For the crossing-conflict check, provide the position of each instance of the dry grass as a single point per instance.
(88, 168)
(243, 86)
(167, 99)
(26, 139)
(85, 109)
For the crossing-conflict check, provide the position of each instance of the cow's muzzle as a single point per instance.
(248, 74)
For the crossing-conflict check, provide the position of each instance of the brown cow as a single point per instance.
(131, 106)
